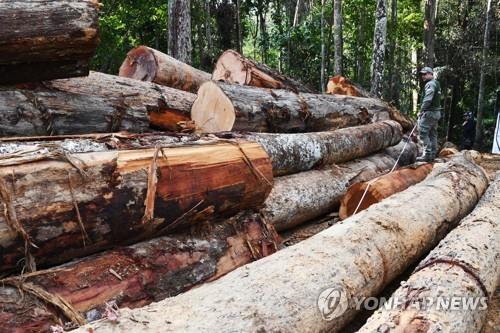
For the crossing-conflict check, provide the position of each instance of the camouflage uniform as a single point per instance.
(429, 117)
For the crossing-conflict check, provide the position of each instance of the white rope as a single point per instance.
(392, 170)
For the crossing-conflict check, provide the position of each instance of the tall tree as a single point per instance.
(322, 78)
(179, 30)
(208, 29)
(393, 93)
(430, 14)
(379, 41)
(339, 41)
(480, 100)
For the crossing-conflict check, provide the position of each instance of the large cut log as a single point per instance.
(232, 67)
(450, 289)
(70, 205)
(136, 275)
(94, 104)
(339, 85)
(301, 197)
(360, 196)
(224, 107)
(296, 152)
(290, 153)
(361, 256)
(147, 64)
(44, 40)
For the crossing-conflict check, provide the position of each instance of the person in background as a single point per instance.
(429, 115)
(468, 131)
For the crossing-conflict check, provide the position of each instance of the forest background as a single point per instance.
(379, 44)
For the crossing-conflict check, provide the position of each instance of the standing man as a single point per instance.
(429, 115)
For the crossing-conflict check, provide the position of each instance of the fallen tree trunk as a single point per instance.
(296, 152)
(136, 275)
(223, 107)
(290, 153)
(359, 256)
(298, 198)
(70, 205)
(94, 104)
(459, 277)
(360, 196)
(232, 67)
(339, 85)
(35, 48)
(147, 64)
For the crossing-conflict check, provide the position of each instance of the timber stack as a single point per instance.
(170, 184)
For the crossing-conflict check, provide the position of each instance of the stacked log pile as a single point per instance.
(120, 191)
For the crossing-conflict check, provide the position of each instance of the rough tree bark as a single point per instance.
(296, 152)
(179, 30)
(464, 265)
(379, 41)
(72, 204)
(430, 14)
(361, 256)
(44, 40)
(339, 40)
(94, 104)
(307, 195)
(223, 107)
(232, 67)
(136, 275)
(480, 99)
(147, 64)
(360, 196)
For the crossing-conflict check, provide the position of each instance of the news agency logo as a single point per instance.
(333, 303)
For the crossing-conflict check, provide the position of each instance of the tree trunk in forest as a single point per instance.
(73, 204)
(147, 64)
(234, 68)
(464, 265)
(35, 48)
(97, 103)
(379, 41)
(358, 257)
(393, 64)
(292, 153)
(430, 14)
(360, 196)
(222, 107)
(307, 195)
(208, 31)
(136, 275)
(478, 142)
(238, 27)
(179, 30)
(323, 60)
(339, 40)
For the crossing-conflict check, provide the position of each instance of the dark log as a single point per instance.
(232, 67)
(73, 204)
(147, 64)
(136, 275)
(360, 196)
(44, 40)
(94, 104)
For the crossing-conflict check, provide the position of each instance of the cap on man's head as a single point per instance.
(426, 70)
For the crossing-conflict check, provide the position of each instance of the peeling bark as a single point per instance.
(137, 275)
(223, 107)
(362, 255)
(98, 103)
(74, 204)
(147, 64)
(43, 40)
(232, 67)
(465, 264)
